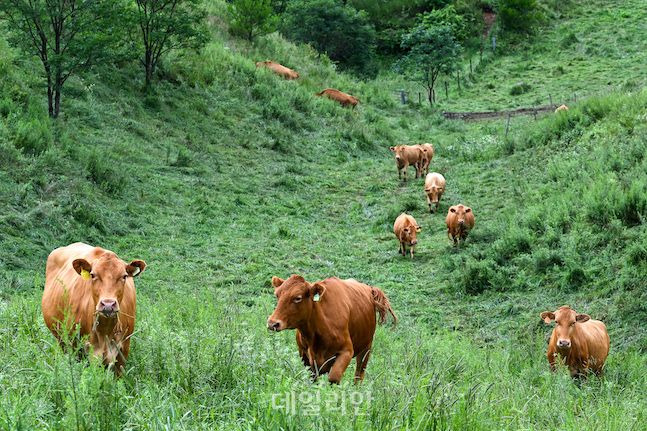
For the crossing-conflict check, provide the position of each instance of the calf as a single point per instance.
(405, 229)
(334, 321)
(434, 189)
(561, 108)
(91, 289)
(405, 156)
(460, 220)
(579, 341)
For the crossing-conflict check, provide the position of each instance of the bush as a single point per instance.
(341, 32)
(477, 277)
(102, 173)
(33, 136)
(252, 18)
(519, 88)
(519, 16)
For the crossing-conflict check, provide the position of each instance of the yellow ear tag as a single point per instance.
(316, 298)
(85, 274)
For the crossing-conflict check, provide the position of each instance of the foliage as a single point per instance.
(68, 37)
(339, 31)
(431, 50)
(519, 16)
(252, 18)
(167, 25)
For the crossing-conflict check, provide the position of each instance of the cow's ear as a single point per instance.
(392, 149)
(135, 268)
(581, 318)
(317, 290)
(467, 210)
(547, 317)
(452, 209)
(82, 267)
(418, 228)
(276, 281)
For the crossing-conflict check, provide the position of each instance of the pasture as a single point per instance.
(226, 176)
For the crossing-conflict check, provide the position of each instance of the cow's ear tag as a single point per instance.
(85, 274)
(316, 298)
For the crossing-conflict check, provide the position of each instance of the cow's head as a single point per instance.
(565, 319)
(296, 300)
(460, 211)
(434, 193)
(107, 277)
(398, 150)
(409, 233)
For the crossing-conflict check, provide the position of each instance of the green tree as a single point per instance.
(430, 51)
(67, 36)
(252, 18)
(341, 32)
(167, 25)
(519, 16)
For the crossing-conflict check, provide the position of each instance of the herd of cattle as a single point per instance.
(90, 291)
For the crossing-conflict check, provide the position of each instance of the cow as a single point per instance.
(460, 220)
(434, 189)
(339, 96)
(405, 229)
(561, 108)
(580, 342)
(279, 69)
(425, 160)
(334, 321)
(405, 156)
(91, 289)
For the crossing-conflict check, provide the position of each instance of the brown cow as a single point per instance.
(405, 156)
(561, 108)
(434, 189)
(339, 96)
(405, 229)
(581, 342)
(279, 69)
(92, 289)
(425, 160)
(334, 321)
(460, 220)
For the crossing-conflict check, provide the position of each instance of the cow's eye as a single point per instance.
(572, 323)
(298, 299)
(125, 277)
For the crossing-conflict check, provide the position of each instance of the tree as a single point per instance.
(166, 25)
(430, 52)
(68, 36)
(252, 18)
(519, 16)
(332, 28)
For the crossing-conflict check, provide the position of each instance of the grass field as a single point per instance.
(227, 176)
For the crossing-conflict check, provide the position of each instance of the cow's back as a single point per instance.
(434, 179)
(361, 310)
(594, 333)
(401, 222)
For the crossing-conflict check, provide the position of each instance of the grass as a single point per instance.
(227, 176)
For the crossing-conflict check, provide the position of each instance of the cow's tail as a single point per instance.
(320, 93)
(382, 306)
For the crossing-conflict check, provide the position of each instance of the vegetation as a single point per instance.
(252, 18)
(340, 31)
(227, 175)
(519, 16)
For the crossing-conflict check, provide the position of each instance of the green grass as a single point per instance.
(227, 176)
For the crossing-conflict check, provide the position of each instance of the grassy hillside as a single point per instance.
(228, 175)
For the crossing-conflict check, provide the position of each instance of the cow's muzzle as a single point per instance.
(108, 307)
(274, 325)
(563, 344)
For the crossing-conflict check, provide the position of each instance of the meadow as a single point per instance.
(226, 176)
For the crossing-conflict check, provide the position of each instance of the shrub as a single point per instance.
(519, 16)
(252, 18)
(519, 88)
(341, 32)
(103, 174)
(33, 136)
(477, 277)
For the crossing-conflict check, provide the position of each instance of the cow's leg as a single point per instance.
(405, 168)
(429, 203)
(362, 361)
(411, 249)
(341, 363)
(399, 173)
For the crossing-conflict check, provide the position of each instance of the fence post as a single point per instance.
(575, 97)
(471, 65)
(458, 79)
(419, 99)
(446, 90)
(551, 100)
(403, 97)
(507, 125)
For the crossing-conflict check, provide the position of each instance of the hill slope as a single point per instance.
(228, 176)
